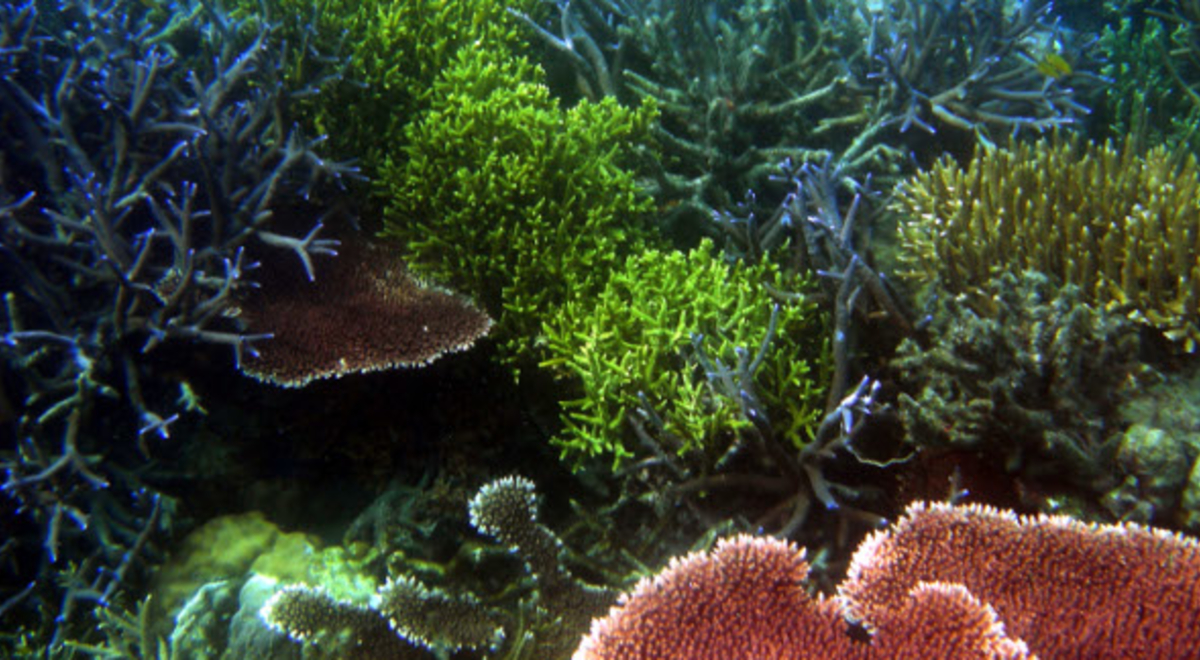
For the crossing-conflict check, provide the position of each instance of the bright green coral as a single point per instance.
(510, 198)
(391, 50)
(636, 336)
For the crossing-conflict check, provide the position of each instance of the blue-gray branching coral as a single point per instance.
(740, 89)
(991, 67)
(131, 191)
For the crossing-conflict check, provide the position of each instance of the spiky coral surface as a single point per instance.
(1122, 226)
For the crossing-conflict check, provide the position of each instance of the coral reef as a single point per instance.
(943, 581)
(364, 312)
(991, 68)
(684, 217)
(1119, 224)
(1093, 600)
(406, 619)
(352, 630)
(1158, 454)
(512, 200)
(1142, 99)
(225, 548)
(741, 88)
(506, 509)
(133, 194)
(691, 342)
(747, 598)
(1177, 60)
(702, 377)
(1027, 373)
(386, 56)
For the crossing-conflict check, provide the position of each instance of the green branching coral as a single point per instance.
(1122, 226)
(511, 199)
(633, 348)
(390, 52)
(1144, 98)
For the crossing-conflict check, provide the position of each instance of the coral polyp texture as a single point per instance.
(1121, 225)
(747, 599)
(362, 312)
(942, 582)
(1069, 589)
(1033, 377)
(406, 619)
(687, 341)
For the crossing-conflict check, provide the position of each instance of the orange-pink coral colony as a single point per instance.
(925, 588)
(1068, 589)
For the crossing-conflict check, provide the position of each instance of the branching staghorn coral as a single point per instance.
(408, 621)
(665, 335)
(699, 377)
(131, 193)
(739, 90)
(1143, 99)
(977, 66)
(742, 89)
(1182, 48)
(831, 243)
(390, 53)
(1121, 225)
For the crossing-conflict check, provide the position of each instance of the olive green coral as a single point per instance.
(629, 347)
(1030, 375)
(1122, 226)
(512, 199)
(1144, 97)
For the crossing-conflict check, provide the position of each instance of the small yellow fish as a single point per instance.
(1054, 65)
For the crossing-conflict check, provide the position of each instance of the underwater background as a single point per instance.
(426, 328)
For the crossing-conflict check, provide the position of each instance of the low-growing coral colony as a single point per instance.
(599, 329)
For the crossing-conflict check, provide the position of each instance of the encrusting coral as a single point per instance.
(1121, 225)
(511, 199)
